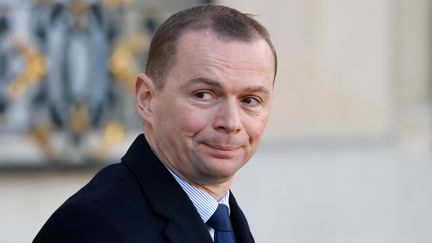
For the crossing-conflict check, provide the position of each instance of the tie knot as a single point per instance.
(220, 220)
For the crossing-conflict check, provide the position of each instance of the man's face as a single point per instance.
(207, 120)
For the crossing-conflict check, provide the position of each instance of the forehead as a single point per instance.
(205, 51)
(208, 41)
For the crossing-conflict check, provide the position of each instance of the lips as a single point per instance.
(223, 147)
(222, 151)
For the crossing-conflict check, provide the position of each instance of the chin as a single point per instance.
(222, 168)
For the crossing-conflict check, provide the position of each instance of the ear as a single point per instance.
(144, 93)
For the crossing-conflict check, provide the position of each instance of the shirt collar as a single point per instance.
(204, 203)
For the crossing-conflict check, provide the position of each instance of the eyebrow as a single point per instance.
(202, 80)
(214, 83)
(257, 89)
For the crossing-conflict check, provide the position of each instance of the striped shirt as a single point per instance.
(204, 203)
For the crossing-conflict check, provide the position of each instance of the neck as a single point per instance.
(217, 191)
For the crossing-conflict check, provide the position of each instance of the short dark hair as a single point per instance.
(226, 22)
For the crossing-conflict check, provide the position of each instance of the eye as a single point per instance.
(203, 95)
(251, 101)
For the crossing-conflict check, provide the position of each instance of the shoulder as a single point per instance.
(76, 222)
(110, 180)
(101, 211)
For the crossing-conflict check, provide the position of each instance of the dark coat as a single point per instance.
(137, 200)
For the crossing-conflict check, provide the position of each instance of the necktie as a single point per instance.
(221, 223)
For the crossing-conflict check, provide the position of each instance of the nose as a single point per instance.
(227, 117)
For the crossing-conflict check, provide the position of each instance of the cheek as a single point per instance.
(190, 120)
(254, 126)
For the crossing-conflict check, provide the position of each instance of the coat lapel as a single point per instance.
(184, 229)
(165, 195)
(239, 222)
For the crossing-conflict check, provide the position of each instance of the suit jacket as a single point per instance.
(137, 200)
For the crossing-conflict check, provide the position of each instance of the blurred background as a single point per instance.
(347, 154)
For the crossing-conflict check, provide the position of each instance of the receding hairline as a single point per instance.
(222, 37)
(204, 33)
(233, 25)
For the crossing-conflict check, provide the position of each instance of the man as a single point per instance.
(205, 99)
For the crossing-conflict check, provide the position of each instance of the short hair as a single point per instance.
(225, 22)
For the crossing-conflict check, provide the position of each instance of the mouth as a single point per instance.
(222, 147)
(222, 151)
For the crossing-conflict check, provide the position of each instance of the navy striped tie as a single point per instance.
(221, 223)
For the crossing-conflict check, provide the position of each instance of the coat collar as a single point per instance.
(165, 195)
(239, 222)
